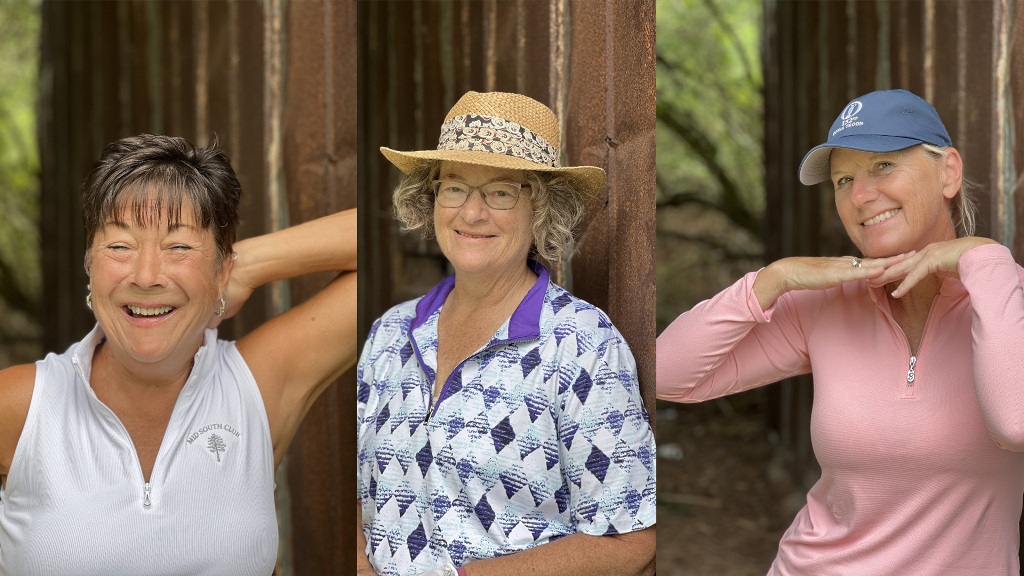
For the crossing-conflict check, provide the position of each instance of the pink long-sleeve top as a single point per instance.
(920, 476)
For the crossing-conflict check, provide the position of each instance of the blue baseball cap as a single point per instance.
(882, 121)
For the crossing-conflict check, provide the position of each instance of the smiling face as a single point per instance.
(477, 238)
(154, 285)
(895, 202)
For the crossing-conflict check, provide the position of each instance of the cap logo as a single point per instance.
(849, 117)
(851, 110)
(498, 136)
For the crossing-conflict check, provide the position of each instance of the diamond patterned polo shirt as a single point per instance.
(539, 434)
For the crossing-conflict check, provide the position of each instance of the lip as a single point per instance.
(147, 320)
(886, 216)
(473, 236)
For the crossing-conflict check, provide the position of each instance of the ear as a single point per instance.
(224, 274)
(952, 172)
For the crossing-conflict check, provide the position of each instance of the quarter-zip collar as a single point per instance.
(525, 321)
(83, 355)
(202, 368)
(523, 325)
(951, 289)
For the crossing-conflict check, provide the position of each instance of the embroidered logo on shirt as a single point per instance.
(216, 445)
(219, 438)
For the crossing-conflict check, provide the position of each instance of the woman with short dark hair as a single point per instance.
(150, 446)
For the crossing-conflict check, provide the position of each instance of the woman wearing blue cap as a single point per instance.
(918, 418)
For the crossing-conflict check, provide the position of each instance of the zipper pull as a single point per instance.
(910, 373)
(145, 500)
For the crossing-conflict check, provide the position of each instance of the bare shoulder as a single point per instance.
(16, 385)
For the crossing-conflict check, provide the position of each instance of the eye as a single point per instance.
(843, 181)
(118, 247)
(453, 187)
(180, 248)
(883, 165)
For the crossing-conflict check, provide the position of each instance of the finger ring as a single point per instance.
(854, 262)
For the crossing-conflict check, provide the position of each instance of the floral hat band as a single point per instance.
(496, 135)
(501, 130)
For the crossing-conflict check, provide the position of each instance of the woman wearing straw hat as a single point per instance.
(501, 429)
(915, 349)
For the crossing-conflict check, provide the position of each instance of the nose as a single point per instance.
(862, 191)
(148, 267)
(475, 208)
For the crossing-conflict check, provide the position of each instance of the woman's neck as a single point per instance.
(481, 291)
(126, 377)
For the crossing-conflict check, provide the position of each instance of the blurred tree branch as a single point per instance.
(683, 124)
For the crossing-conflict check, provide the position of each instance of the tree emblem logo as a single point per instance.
(216, 445)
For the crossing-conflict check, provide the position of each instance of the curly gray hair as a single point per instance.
(558, 207)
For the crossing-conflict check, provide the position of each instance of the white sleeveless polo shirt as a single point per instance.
(75, 501)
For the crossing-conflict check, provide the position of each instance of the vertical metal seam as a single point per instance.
(929, 50)
(419, 77)
(274, 195)
(883, 73)
(558, 54)
(852, 89)
(1002, 154)
(520, 47)
(154, 42)
(491, 44)
(202, 74)
(330, 153)
(172, 68)
(446, 30)
(124, 81)
(611, 135)
(234, 81)
(961, 73)
(98, 64)
(392, 92)
(467, 60)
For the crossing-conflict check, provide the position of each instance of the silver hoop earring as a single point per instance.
(88, 300)
(221, 307)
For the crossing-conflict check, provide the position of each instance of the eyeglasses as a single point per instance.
(497, 195)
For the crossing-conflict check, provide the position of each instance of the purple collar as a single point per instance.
(525, 321)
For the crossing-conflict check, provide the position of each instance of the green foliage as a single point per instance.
(19, 172)
(709, 136)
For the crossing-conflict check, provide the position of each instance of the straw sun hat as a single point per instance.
(501, 130)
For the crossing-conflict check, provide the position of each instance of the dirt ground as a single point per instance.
(723, 502)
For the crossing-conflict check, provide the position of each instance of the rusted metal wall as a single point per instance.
(591, 61)
(275, 82)
(965, 57)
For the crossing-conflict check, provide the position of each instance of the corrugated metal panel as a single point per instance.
(319, 153)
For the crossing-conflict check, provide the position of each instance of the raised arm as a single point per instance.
(994, 282)
(750, 334)
(296, 354)
(728, 344)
